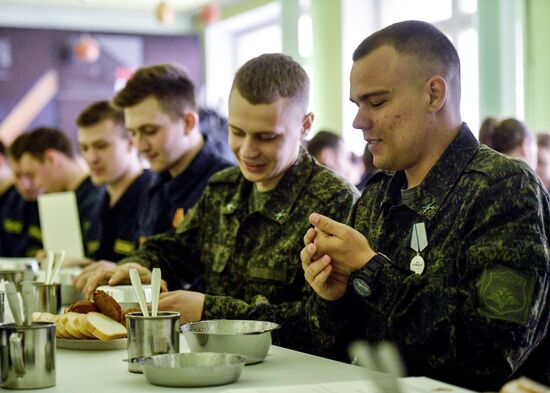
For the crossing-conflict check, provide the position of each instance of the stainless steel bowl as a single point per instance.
(193, 369)
(248, 338)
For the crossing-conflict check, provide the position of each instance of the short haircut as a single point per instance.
(543, 140)
(486, 130)
(168, 83)
(507, 135)
(41, 139)
(98, 112)
(270, 77)
(17, 147)
(321, 140)
(429, 45)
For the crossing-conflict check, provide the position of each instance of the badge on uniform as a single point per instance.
(419, 241)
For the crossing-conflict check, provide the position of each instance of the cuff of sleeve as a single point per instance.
(223, 307)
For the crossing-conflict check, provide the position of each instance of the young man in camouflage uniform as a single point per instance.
(446, 253)
(246, 231)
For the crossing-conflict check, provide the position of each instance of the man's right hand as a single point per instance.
(320, 275)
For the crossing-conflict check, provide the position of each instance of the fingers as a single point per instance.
(98, 278)
(309, 236)
(328, 225)
(306, 254)
(163, 286)
(314, 268)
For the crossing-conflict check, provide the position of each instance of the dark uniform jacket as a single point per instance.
(20, 234)
(115, 229)
(481, 305)
(247, 244)
(88, 199)
(170, 198)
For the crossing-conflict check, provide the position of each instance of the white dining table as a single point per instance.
(94, 371)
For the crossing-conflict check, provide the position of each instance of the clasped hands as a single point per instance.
(332, 252)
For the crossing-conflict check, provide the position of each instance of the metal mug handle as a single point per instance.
(16, 353)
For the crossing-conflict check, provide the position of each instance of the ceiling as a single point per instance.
(180, 6)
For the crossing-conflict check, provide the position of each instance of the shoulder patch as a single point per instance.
(506, 294)
(229, 175)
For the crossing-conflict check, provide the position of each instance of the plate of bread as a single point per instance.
(93, 324)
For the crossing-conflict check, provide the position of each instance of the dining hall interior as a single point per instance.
(174, 174)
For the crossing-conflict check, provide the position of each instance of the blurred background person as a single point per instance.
(329, 149)
(511, 137)
(20, 234)
(543, 158)
(369, 171)
(114, 163)
(49, 160)
(486, 130)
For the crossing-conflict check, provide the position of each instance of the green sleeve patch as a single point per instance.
(506, 294)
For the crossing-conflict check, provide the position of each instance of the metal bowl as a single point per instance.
(193, 369)
(248, 338)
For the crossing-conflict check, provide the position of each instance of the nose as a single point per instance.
(141, 142)
(249, 148)
(362, 120)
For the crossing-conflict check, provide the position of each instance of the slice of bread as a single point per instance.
(80, 323)
(103, 327)
(69, 321)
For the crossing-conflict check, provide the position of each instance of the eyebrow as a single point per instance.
(365, 97)
(255, 132)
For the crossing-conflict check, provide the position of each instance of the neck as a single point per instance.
(118, 187)
(75, 174)
(441, 139)
(195, 142)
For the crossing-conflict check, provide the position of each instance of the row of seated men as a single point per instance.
(119, 200)
(446, 252)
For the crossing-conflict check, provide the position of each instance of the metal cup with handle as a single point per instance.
(27, 356)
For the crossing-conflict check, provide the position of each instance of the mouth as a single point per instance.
(252, 166)
(372, 141)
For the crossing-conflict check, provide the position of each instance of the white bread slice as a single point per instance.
(69, 324)
(104, 327)
(61, 331)
(80, 324)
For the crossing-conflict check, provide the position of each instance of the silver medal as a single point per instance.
(417, 264)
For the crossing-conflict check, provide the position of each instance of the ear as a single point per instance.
(436, 87)
(307, 122)
(190, 121)
(51, 156)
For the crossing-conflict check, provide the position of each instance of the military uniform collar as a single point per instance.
(282, 198)
(427, 198)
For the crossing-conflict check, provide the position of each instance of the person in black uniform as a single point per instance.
(20, 234)
(49, 160)
(114, 162)
(160, 112)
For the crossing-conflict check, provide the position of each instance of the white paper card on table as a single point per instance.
(60, 223)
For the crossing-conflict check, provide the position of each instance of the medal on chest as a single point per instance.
(419, 241)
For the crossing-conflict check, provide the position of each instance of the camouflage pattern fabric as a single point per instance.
(250, 257)
(481, 305)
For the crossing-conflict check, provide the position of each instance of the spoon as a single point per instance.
(27, 293)
(155, 291)
(138, 290)
(13, 301)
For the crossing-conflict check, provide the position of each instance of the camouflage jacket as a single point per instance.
(250, 259)
(481, 304)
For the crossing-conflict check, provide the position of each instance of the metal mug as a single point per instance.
(27, 356)
(149, 336)
(48, 297)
